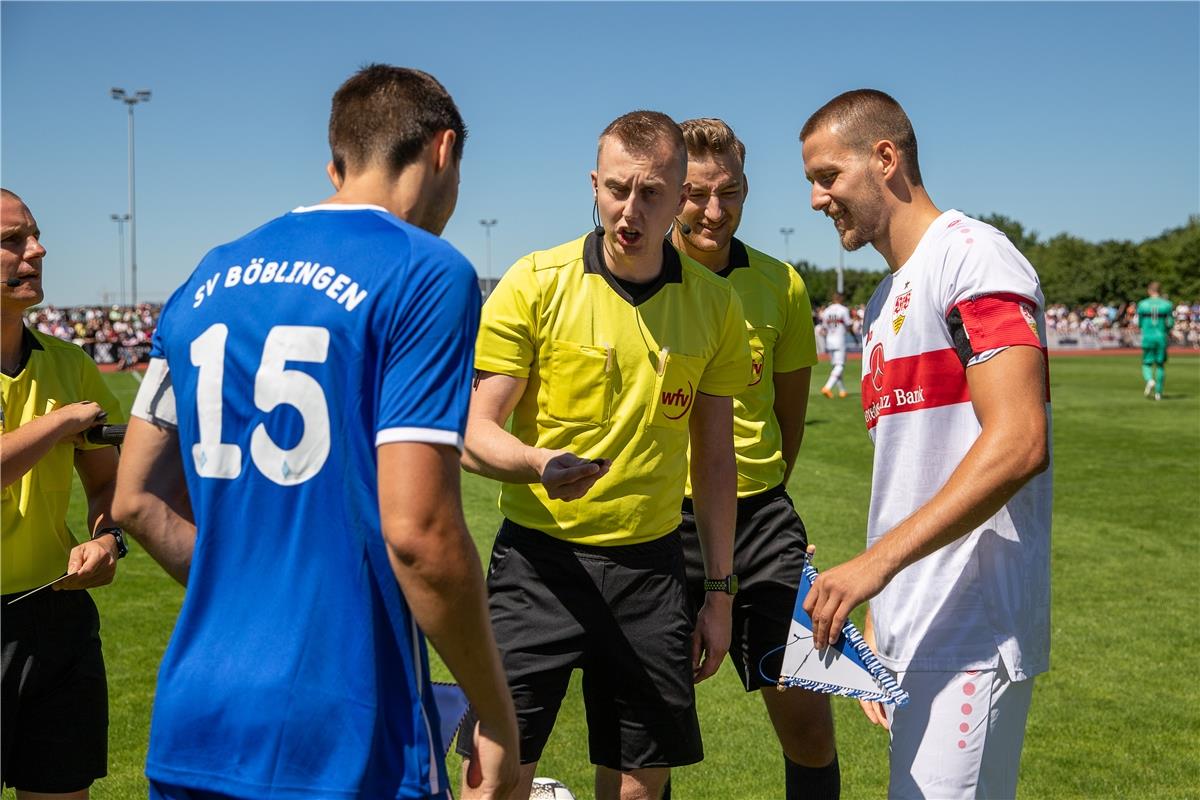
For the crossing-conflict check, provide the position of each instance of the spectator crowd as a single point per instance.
(110, 335)
(1095, 325)
(1115, 325)
(121, 334)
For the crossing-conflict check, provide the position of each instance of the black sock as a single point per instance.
(666, 795)
(812, 783)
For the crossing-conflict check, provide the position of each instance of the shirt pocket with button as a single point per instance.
(579, 386)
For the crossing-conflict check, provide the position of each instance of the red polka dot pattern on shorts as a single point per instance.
(966, 708)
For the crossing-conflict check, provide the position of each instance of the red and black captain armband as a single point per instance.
(991, 321)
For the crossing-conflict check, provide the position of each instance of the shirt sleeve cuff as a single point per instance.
(426, 435)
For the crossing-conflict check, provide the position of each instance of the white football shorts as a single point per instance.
(959, 736)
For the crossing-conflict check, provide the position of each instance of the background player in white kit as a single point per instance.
(835, 319)
(957, 565)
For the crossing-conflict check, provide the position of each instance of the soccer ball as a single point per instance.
(549, 789)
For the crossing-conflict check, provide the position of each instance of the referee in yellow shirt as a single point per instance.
(53, 692)
(768, 426)
(611, 353)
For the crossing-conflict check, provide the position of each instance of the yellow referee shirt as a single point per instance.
(34, 540)
(613, 370)
(782, 339)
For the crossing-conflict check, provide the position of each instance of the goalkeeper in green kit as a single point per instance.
(1155, 319)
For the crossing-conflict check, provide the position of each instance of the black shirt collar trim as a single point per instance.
(738, 258)
(632, 293)
(29, 343)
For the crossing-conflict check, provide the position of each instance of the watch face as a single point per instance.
(122, 548)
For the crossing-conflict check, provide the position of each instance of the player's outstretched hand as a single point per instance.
(91, 564)
(875, 713)
(566, 476)
(837, 592)
(710, 639)
(494, 767)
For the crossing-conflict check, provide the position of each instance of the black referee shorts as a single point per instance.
(618, 613)
(53, 693)
(768, 558)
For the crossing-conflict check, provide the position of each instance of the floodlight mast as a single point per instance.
(120, 219)
(131, 100)
(487, 270)
(841, 270)
(787, 232)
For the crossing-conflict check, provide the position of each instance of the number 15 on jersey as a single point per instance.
(274, 385)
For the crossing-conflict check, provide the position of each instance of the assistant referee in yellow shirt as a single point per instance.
(611, 353)
(768, 426)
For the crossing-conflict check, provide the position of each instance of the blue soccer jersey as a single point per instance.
(296, 668)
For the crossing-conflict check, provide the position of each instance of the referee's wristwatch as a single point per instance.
(728, 584)
(122, 548)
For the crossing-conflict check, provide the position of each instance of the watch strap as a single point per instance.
(119, 535)
(728, 584)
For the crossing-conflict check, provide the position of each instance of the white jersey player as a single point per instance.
(835, 319)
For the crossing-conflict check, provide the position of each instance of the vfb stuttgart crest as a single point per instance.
(900, 309)
(1027, 313)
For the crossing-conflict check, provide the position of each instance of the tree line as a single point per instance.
(1073, 271)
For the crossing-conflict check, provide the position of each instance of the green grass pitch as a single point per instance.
(1115, 718)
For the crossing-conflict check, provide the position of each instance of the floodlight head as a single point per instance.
(143, 95)
(115, 217)
(118, 94)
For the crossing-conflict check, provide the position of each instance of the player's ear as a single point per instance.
(683, 194)
(334, 178)
(745, 187)
(443, 149)
(888, 158)
(595, 186)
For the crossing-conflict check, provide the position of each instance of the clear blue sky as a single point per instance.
(1069, 117)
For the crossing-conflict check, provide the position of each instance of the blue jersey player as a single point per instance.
(294, 461)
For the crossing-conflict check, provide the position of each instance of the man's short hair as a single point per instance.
(10, 193)
(385, 115)
(866, 116)
(709, 136)
(642, 133)
(1154, 287)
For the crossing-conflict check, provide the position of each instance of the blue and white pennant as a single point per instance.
(847, 668)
